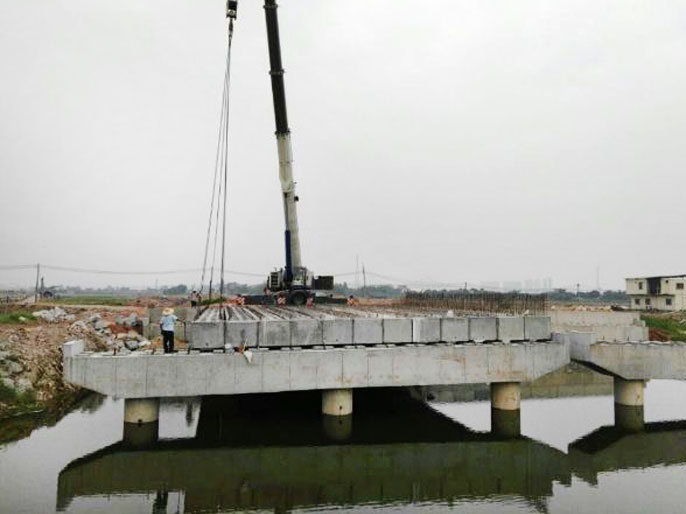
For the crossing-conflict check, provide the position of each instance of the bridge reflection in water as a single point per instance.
(277, 454)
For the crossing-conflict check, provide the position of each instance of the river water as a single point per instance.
(395, 455)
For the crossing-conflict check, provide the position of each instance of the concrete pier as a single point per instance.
(139, 411)
(629, 392)
(337, 428)
(141, 421)
(505, 396)
(337, 402)
(506, 424)
(629, 418)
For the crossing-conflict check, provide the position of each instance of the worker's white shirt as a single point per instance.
(167, 322)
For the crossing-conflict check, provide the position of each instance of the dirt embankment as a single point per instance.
(31, 353)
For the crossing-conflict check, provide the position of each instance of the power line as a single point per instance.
(93, 271)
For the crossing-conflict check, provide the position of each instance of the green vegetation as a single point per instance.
(94, 300)
(668, 328)
(17, 402)
(11, 318)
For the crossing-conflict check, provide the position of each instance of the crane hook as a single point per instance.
(231, 9)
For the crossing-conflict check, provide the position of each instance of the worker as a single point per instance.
(167, 323)
(194, 298)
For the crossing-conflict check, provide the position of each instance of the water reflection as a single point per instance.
(276, 454)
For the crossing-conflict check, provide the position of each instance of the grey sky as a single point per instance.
(442, 141)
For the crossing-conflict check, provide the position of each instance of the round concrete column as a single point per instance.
(337, 402)
(505, 395)
(629, 392)
(141, 410)
(629, 418)
(505, 424)
(337, 428)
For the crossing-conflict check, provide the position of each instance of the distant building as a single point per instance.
(666, 293)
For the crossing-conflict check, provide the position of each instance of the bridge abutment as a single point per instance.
(629, 392)
(337, 402)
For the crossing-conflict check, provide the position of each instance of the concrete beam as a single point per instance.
(631, 361)
(144, 376)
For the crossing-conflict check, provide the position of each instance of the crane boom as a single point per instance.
(283, 140)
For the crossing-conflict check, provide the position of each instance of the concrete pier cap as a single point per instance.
(506, 395)
(337, 402)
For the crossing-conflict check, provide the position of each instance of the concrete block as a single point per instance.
(306, 332)
(580, 345)
(510, 328)
(454, 330)
(636, 334)
(426, 330)
(241, 333)
(367, 331)
(337, 331)
(207, 335)
(72, 348)
(483, 329)
(274, 333)
(537, 328)
(397, 330)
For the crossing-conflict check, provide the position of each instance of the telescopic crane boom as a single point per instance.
(283, 141)
(294, 278)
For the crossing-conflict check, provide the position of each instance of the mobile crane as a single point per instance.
(294, 281)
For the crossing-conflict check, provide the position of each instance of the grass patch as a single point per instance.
(94, 300)
(675, 330)
(17, 400)
(11, 318)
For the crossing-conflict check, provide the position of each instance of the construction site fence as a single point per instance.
(479, 302)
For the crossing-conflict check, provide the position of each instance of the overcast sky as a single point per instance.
(442, 141)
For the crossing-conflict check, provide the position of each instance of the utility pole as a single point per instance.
(37, 282)
(364, 279)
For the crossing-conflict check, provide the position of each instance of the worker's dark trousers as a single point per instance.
(168, 341)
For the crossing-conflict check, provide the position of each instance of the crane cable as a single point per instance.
(219, 194)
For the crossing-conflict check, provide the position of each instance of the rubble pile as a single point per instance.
(123, 335)
(53, 315)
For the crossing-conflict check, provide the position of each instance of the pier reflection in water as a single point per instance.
(274, 453)
(279, 457)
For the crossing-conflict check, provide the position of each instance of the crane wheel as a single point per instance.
(297, 298)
